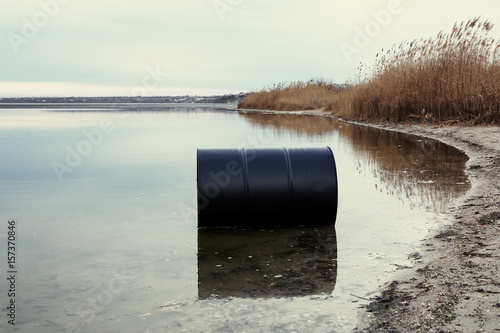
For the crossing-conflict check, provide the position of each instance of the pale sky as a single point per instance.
(166, 47)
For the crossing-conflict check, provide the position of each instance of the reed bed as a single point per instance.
(453, 77)
(311, 95)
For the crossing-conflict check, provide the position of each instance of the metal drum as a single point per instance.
(266, 187)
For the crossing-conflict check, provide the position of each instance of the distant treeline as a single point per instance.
(229, 98)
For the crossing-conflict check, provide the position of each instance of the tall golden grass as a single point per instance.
(453, 77)
(294, 96)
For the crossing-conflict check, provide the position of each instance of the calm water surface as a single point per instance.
(104, 199)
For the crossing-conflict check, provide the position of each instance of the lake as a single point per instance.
(103, 197)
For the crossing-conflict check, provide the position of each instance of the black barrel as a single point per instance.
(266, 187)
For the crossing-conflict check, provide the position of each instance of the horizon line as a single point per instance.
(79, 90)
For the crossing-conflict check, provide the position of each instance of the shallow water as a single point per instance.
(105, 207)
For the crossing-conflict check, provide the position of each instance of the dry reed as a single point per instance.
(294, 96)
(453, 77)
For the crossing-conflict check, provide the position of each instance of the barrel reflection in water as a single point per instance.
(281, 262)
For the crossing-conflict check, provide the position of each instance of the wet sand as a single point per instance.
(454, 285)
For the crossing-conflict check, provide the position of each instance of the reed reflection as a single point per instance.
(421, 172)
(282, 262)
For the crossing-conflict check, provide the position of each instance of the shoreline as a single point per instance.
(454, 286)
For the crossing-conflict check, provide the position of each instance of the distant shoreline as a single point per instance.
(231, 98)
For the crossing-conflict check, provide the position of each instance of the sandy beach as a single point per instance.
(454, 285)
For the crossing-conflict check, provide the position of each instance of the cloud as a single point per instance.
(256, 43)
